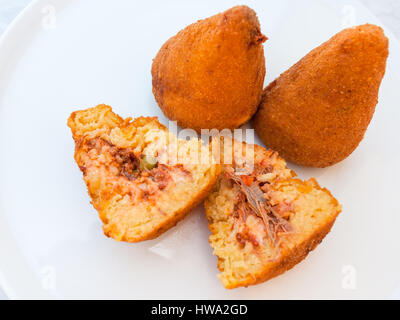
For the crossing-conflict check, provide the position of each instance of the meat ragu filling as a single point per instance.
(127, 162)
(253, 202)
(140, 174)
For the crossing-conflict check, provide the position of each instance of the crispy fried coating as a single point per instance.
(211, 74)
(317, 112)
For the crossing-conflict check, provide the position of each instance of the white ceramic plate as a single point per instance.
(74, 54)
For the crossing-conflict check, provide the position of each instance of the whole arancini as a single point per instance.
(211, 74)
(317, 112)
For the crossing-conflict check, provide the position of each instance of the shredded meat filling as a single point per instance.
(252, 200)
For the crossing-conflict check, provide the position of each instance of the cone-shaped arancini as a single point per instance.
(317, 112)
(211, 74)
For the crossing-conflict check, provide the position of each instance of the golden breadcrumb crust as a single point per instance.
(296, 255)
(211, 74)
(137, 205)
(313, 211)
(317, 112)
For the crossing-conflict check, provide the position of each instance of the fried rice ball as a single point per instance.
(211, 74)
(316, 113)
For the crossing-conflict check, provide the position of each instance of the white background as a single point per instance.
(388, 11)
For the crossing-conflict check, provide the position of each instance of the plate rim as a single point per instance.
(7, 37)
